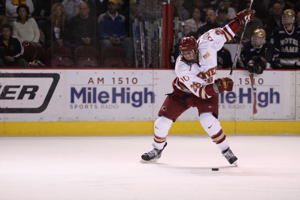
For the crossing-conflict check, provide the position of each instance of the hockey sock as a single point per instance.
(161, 130)
(213, 127)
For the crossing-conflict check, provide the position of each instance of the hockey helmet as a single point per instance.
(288, 17)
(188, 44)
(258, 38)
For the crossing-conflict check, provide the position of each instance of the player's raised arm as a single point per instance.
(239, 21)
(214, 39)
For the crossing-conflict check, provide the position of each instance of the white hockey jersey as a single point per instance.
(193, 78)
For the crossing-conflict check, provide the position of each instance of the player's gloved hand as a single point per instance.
(257, 65)
(245, 15)
(224, 84)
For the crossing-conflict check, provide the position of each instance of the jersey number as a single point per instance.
(208, 37)
(195, 86)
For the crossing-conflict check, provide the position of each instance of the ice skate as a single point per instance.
(154, 154)
(232, 159)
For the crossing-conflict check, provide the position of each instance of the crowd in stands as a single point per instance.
(98, 33)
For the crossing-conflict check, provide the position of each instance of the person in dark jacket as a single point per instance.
(211, 22)
(112, 30)
(111, 26)
(11, 49)
(82, 29)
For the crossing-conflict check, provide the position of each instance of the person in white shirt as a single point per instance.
(195, 86)
(26, 28)
(28, 32)
(194, 23)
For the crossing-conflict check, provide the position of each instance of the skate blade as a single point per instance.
(149, 161)
(233, 165)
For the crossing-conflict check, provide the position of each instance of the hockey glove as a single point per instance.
(220, 85)
(245, 15)
(240, 19)
(257, 65)
(223, 84)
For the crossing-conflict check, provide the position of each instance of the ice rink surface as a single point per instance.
(105, 168)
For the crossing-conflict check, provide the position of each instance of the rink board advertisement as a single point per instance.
(134, 95)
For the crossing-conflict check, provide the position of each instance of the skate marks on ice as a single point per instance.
(193, 169)
(198, 168)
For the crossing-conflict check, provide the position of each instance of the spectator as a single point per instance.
(71, 8)
(92, 4)
(27, 31)
(58, 23)
(283, 4)
(193, 24)
(238, 5)
(226, 5)
(26, 28)
(222, 18)
(112, 30)
(200, 4)
(149, 9)
(82, 29)
(257, 54)
(10, 49)
(12, 5)
(180, 11)
(3, 20)
(211, 21)
(287, 41)
(273, 21)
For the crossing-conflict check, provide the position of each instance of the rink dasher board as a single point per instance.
(120, 128)
(110, 97)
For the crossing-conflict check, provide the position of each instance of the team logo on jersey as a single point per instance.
(208, 75)
(206, 55)
(164, 108)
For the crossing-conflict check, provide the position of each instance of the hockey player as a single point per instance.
(287, 41)
(257, 53)
(195, 86)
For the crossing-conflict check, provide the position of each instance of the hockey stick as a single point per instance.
(252, 82)
(238, 51)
